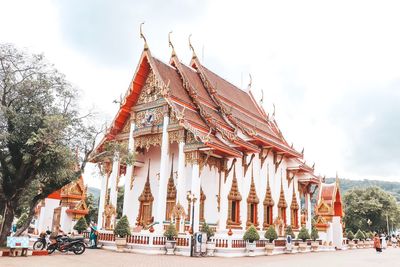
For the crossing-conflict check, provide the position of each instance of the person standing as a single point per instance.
(377, 243)
(93, 235)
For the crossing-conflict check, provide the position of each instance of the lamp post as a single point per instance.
(192, 199)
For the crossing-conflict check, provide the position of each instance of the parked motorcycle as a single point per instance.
(65, 244)
(42, 242)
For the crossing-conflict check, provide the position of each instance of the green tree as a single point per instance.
(251, 234)
(171, 233)
(120, 201)
(303, 234)
(314, 233)
(369, 209)
(122, 229)
(44, 141)
(289, 231)
(81, 225)
(22, 219)
(271, 234)
(360, 235)
(350, 235)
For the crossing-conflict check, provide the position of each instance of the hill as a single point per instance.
(347, 184)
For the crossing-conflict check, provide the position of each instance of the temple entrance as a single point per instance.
(56, 219)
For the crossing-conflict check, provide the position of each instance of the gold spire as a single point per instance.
(191, 48)
(146, 47)
(146, 193)
(171, 189)
(294, 205)
(234, 193)
(252, 198)
(282, 201)
(171, 45)
(268, 200)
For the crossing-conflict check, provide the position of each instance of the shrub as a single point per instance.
(370, 235)
(271, 234)
(251, 234)
(360, 235)
(22, 219)
(289, 231)
(171, 233)
(81, 225)
(350, 235)
(122, 229)
(303, 234)
(314, 233)
(208, 230)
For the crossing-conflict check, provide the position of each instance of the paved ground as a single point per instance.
(357, 258)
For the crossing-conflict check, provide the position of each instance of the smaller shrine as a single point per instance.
(62, 208)
(329, 212)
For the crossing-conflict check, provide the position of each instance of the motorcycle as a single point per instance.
(42, 242)
(65, 244)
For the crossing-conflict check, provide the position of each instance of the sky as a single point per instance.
(332, 68)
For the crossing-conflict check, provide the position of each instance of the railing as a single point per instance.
(261, 243)
(106, 237)
(138, 239)
(183, 241)
(159, 240)
(220, 243)
(238, 243)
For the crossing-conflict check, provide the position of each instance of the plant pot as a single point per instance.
(210, 248)
(314, 246)
(351, 244)
(269, 247)
(120, 242)
(360, 244)
(302, 246)
(251, 247)
(170, 246)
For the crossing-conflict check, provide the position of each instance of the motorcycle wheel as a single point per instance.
(38, 245)
(51, 248)
(79, 249)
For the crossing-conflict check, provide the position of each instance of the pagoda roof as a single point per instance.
(207, 105)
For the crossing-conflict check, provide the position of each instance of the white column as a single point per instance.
(162, 189)
(196, 192)
(128, 192)
(102, 200)
(308, 205)
(113, 182)
(181, 194)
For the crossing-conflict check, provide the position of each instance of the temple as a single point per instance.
(205, 151)
(62, 208)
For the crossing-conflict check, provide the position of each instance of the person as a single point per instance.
(393, 239)
(93, 235)
(383, 241)
(377, 243)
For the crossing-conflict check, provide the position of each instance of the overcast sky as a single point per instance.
(332, 68)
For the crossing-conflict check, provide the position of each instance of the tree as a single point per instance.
(120, 201)
(44, 141)
(303, 234)
(122, 229)
(289, 231)
(314, 233)
(93, 206)
(171, 233)
(369, 209)
(271, 234)
(350, 235)
(81, 225)
(360, 235)
(251, 234)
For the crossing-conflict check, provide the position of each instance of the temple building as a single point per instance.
(62, 208)
(205, 151)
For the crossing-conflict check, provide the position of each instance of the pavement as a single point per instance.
(99, 257)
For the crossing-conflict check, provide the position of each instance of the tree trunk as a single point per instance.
(7, 224)
(28, 220)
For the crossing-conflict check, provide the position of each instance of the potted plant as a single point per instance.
(360, 236)
(210, 233)
(170, 233)
(314, 236)
(270, 235)
(122, 229)
(250, 236)
(350, 237)
(81, 225)
(370, 236)
(303, 235)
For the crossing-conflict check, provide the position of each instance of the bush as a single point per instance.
(271, 234)
(208, 230)
(22, 219)
(251, 234)
(289, 231)
(81, 225)
(350, 235)
(314, 233)
(122, 229)
(303, 234)
(370, 235)
(171, 233)
(360, 235)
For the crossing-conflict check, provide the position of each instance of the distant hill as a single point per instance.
(347, 184)
(94, 191)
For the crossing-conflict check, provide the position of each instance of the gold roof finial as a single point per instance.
(337, 178)
(171, 45)
(250, 82)
(146, 47)
(192, 48)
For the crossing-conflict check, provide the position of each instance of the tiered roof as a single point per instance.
(220, 115)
